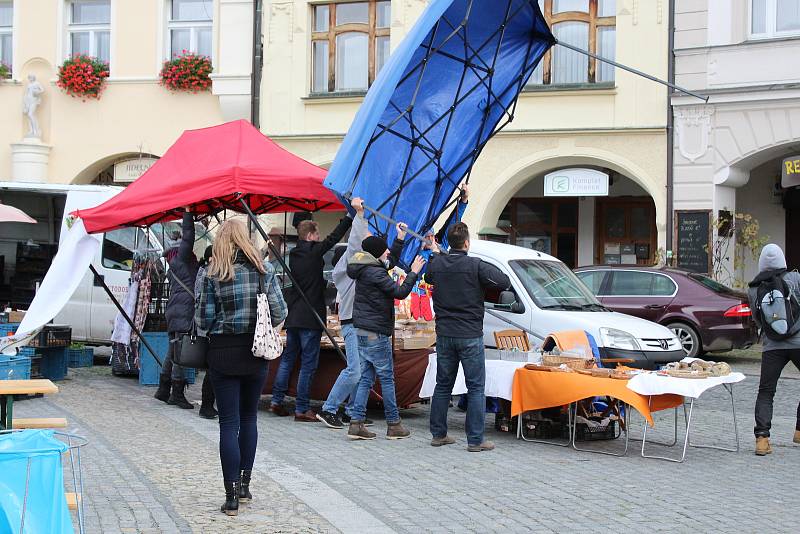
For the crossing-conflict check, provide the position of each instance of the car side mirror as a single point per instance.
(508, 301)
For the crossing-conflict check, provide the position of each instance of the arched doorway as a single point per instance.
(616, 228)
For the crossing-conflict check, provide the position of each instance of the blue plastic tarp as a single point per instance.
(446, 89)
(32, 498)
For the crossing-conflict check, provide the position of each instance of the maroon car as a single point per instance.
(705, 315)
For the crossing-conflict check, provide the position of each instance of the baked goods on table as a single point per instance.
(696, 369)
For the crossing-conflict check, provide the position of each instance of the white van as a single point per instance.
(27, 250)
(549, 298)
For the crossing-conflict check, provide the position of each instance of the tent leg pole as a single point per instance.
(296, 286)
(632, 70)
(122, 311)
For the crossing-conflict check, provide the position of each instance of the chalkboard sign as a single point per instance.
(692, 240)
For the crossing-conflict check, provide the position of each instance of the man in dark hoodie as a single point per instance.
(303, 332)
(776, 353)
(373, 318)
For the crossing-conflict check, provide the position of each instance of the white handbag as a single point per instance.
(266, 341)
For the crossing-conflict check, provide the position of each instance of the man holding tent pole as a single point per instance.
(345, 386)
(303, 332)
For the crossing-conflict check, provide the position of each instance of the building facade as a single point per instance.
(731, 154)
(81, 140)
(576, 117)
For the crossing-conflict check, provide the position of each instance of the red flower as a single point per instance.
(187, 72)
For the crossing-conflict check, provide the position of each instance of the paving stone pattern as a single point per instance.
(150, 467)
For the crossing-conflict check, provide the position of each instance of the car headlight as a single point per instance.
(618, 339)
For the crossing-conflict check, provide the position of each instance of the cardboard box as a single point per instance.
(15, 316)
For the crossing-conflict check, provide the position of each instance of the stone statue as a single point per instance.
(30, 103)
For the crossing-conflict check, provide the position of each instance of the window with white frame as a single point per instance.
(6, 33)
(89, 28)
(190, 27)
(587, 24)
(774, 18)
(349, 44)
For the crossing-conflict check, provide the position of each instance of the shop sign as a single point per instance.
(576, 183)
(790, 172)
(129, 170)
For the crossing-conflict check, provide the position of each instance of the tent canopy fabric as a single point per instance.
(441, 96)
(212, 169)
(12, 214)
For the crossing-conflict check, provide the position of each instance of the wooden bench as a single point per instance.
(39, 422)
(72, 500)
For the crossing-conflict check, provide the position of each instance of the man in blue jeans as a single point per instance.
(345, 386)
(373, 317)
(458, 284)
(303, 331)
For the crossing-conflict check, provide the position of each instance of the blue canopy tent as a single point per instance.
(450, 85)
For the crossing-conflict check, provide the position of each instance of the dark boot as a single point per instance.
(177, 398)
(231, 506)
(244, 487)
(164, 383)
(207, 410)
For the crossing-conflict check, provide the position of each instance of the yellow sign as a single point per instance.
(790, 172)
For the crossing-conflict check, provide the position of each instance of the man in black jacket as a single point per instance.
(373, 318)
(458, 284)
(303, 331)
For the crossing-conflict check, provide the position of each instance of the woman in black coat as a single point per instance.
(182, 273)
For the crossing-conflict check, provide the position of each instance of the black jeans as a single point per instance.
(772, 364)
(237, 403)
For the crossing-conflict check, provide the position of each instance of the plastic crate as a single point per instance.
(53, 336)
(7, 329)
(584, 432)
(82, 357)
(15, 367)
(53, 363)
(149, 370)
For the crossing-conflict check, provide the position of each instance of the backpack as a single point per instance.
(777, 307)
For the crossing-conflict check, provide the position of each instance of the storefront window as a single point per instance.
(626, 230)
(548, 225)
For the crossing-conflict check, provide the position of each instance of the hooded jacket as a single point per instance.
(373, 306)
(346, 286)
(771, 262)
(183, 267)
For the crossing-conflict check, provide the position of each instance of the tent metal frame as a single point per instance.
(477, 65)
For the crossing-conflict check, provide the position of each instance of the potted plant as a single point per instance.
(83, 76)
(5, 71)
(187, 72)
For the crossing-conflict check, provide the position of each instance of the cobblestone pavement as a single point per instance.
(150, 467)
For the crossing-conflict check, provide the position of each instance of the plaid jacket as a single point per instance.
(230, 307)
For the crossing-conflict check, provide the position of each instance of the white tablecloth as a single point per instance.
(653, 384)
(499, 377)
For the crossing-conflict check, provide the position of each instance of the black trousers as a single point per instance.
(772, 364)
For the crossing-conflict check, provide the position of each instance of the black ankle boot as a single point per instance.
(177, 398)
(164, 384)
(207, 410)
(244, 487)
(231, 506)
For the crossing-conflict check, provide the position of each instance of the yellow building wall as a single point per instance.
(622, 127)
(133, 114)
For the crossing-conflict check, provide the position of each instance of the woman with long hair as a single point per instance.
(227, 310)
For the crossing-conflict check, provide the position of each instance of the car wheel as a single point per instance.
(688, 338)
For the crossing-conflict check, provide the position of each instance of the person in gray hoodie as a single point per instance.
(345, 386)
(776, 353)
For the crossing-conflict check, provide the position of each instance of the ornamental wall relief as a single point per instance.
(693, 129)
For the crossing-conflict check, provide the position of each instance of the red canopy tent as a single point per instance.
(212, 169)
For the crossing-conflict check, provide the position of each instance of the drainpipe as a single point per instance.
(670, 125)
(258, 61)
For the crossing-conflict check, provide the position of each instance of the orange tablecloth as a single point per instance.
(536, 390)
